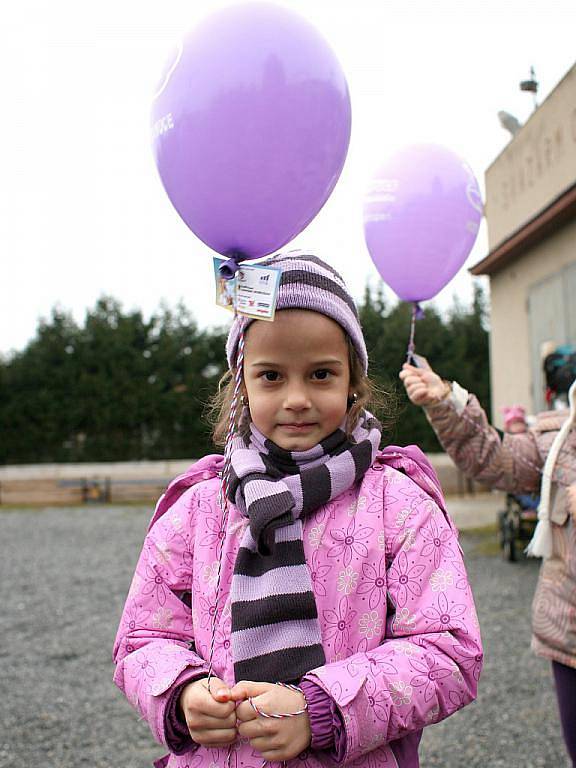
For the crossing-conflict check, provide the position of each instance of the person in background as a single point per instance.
(515, 422)
(514, 419)
(540, 459)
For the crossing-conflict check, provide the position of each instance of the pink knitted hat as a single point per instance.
(513, 413)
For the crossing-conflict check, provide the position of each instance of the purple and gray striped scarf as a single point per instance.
(275, 629)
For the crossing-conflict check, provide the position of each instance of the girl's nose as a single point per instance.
(296, 398)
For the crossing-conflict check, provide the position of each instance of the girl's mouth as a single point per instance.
(299, 427)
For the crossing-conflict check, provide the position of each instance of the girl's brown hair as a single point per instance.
(368, 395)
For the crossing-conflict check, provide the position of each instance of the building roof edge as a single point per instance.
(549, 219)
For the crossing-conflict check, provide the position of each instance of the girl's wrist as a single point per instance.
(447, 390)
(444, 393)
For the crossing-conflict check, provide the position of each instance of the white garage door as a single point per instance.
(552, 317)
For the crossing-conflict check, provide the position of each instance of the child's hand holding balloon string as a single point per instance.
(423, 386)
(209, 712)
(217, 716)
(275, 738)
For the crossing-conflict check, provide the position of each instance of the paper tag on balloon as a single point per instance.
(252, 292)
(257, 291)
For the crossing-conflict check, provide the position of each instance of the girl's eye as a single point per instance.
(321, 374)
(269, 375)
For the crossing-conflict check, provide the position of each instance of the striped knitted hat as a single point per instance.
(307, 282)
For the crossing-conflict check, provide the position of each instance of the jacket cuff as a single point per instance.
(327, 729)
(457, 399)
(176, 733)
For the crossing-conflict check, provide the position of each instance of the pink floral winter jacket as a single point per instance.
(397, 617)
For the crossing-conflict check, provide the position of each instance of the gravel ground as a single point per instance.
(64, 574)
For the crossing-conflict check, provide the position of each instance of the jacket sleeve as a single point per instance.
(507, 462)
(428, 663)
(154, 651)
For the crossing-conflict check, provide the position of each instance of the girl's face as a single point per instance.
(516, 427)
(297, 377)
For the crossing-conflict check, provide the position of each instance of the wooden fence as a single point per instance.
(129, 482)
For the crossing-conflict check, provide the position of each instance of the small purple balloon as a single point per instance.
(251, 125)
(422, 212)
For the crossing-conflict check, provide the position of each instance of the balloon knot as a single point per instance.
(229, 268)
(418, 311)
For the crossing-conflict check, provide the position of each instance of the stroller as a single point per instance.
(516, 523)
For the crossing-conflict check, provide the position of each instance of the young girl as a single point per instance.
(324, 617)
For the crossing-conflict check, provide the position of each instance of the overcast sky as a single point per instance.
(82, 210)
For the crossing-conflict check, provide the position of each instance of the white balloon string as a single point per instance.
(411, 345)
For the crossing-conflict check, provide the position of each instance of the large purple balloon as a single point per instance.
(251, 125)
(421, 217)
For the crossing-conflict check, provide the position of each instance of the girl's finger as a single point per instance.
(217, 689)
(419, 399)
(245, 688)
(201, 722)
(206, 705)
(408, 381)
(273, 755)
(416, 388)
(221, 694)
(264, 744)
(415, 393)
(255, 729)
(245, 712)
(214, 738)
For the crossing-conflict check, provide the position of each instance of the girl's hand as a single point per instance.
(210, 717)
(423, 386)
(274, 739)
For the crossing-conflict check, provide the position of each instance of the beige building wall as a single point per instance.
(512, 378)
(536, 166)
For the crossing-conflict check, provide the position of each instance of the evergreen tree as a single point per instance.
(120, 387)
(39, 399)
